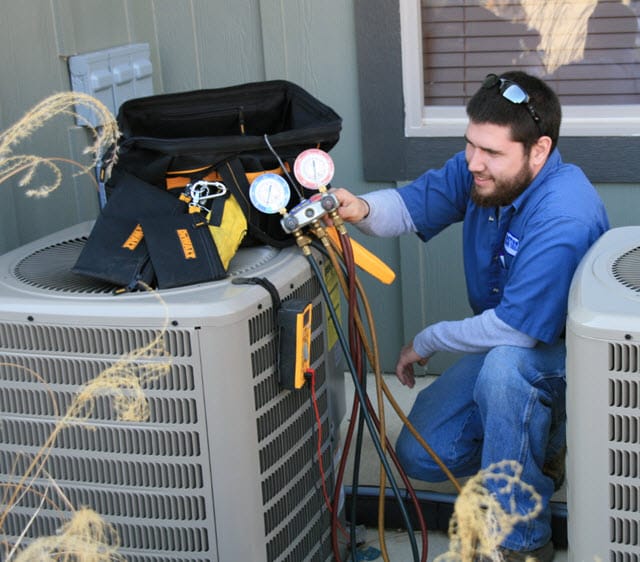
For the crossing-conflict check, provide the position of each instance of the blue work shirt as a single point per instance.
(518, 259)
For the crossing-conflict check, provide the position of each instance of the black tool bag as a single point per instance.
(117, 250)
(172, 141)
(228, 135)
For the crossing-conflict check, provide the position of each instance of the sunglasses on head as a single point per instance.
(512, 92)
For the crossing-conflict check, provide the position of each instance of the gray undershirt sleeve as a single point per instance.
(388, 215)
(476, 334)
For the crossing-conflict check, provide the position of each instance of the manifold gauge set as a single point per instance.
(270, 193)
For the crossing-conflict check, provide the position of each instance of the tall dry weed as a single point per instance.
(84, 536)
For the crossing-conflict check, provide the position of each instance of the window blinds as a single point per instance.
(587, 50)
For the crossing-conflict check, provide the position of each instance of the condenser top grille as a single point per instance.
(50, 268)
(626, 269)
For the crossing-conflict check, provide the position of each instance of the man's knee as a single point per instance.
(498, 374)
(505, 358)
(415, 460)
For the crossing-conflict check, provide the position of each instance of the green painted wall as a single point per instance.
(214, 43)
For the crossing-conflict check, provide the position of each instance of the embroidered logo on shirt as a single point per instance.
(511, 244)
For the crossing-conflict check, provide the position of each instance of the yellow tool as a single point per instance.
(365, 259)
(294, 321)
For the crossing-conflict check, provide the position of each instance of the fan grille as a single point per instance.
(50, 268)
(626, 269)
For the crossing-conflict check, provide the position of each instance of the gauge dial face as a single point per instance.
(269, 193)
(313, 168)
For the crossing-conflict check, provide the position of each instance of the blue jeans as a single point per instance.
(506, 404)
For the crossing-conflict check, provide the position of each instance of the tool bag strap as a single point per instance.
(234, 176)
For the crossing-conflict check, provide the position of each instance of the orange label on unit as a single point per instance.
(187, 245)
(134, 239)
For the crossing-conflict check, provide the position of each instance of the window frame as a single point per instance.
(389, 154)
(437, 121)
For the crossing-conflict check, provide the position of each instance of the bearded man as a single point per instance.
(528, 219)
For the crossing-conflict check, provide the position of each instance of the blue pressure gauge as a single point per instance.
(269, 193)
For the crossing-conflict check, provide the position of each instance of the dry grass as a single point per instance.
(63, 104)
(85, 536)
(480, 521)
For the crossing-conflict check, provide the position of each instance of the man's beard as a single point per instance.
(506, 191)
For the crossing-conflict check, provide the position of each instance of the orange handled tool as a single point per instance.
(365, 259)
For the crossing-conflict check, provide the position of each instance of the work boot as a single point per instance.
(554, 468)
(543, 554)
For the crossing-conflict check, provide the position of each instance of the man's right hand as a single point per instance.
(352, 208)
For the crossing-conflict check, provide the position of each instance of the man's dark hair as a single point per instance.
(488, 105)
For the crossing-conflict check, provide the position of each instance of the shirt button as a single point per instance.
(491, 219)
(495, 290)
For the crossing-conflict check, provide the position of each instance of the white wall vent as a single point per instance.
(112, 76)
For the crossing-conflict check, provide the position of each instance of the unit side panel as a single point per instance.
(603, 431)
(117, 422)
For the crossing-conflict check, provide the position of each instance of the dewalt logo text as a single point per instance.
(187, 245)
(134, 239)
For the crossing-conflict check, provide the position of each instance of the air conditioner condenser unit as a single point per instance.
(226, 467)
(603, 401)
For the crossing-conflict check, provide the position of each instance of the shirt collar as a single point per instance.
(550, 165)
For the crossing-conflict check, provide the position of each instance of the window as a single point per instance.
(605, 147)
(587, 50)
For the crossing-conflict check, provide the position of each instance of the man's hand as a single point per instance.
(352, 208)
(404, 367)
